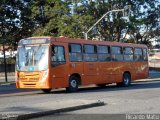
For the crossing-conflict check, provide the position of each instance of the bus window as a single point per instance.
(138, 54)
(58, 55)
(145, 55)
(117, 54)
(128, 53)
(90, 53)
(104, 53)
(75, 52)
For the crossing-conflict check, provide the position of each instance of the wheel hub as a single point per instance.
(73, 83)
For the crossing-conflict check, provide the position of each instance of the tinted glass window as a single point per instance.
(89, 48)
(117, 54)
(145, 54)
(75, 48)
(103, 49)
(75, 52)
(104, 53)
(117, 50)
(138, 51)
(138, 54)
(128, 50)
(128, 53)
(58, 55)
(90, 54)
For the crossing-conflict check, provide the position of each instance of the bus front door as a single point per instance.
(58, 71)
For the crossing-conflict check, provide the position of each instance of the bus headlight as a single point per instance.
(44, 76)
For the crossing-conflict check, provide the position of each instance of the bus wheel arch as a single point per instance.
(126, 79)
(73, 82)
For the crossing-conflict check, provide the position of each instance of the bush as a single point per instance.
(8, 60)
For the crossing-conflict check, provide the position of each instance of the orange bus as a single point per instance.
(59, 62)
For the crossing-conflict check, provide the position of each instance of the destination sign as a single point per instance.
(34, 41)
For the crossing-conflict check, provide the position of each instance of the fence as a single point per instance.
(9, 67)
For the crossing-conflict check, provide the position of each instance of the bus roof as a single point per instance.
(83, 41)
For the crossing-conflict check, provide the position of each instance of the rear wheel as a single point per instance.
(101, 85)
(126, 80)
(46, 90)
(73, 84)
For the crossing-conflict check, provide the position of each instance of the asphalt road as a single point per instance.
(139, 98)
(154, 73)
(142, 97)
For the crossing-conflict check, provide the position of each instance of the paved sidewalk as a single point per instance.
(10, 79)
(46, 108)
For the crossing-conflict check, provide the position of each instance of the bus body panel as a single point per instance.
(106, 72)
(96, 72)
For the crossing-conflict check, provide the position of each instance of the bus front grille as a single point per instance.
(29, 79)
(29, 85)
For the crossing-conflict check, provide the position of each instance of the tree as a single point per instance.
(140, 26)
(48, 16)
(15, 21)
(144, 20)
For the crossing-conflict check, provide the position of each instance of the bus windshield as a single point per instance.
(32, 58)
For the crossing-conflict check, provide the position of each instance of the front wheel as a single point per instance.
(126, 80)
(46, 90)
(73, 84)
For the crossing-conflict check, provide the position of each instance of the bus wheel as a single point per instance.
(46, 90)
(126, 80)
(101, 85)
(73, 84)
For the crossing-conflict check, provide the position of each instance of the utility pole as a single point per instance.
(72, 9)
(118, 10)
(5, 64)
(4, 53)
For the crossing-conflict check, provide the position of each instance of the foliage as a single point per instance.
(72, 18)
(15, 21)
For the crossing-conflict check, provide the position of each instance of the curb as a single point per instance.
(139, 81)
(51, 112)
(6, 84)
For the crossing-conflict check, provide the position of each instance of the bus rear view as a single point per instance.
(32, 63)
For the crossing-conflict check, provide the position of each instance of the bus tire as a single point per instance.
(73, 84)
(101, 85)
(46, 90)
(126, 80)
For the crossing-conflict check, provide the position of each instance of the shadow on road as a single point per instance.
(113, 87)
(11, 89)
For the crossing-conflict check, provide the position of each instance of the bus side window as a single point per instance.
(58, 55)
(104, 53)
(117, 54)
(128, 53)
(90, 53)
(138, 56)
(145, 54)
(75, 52)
